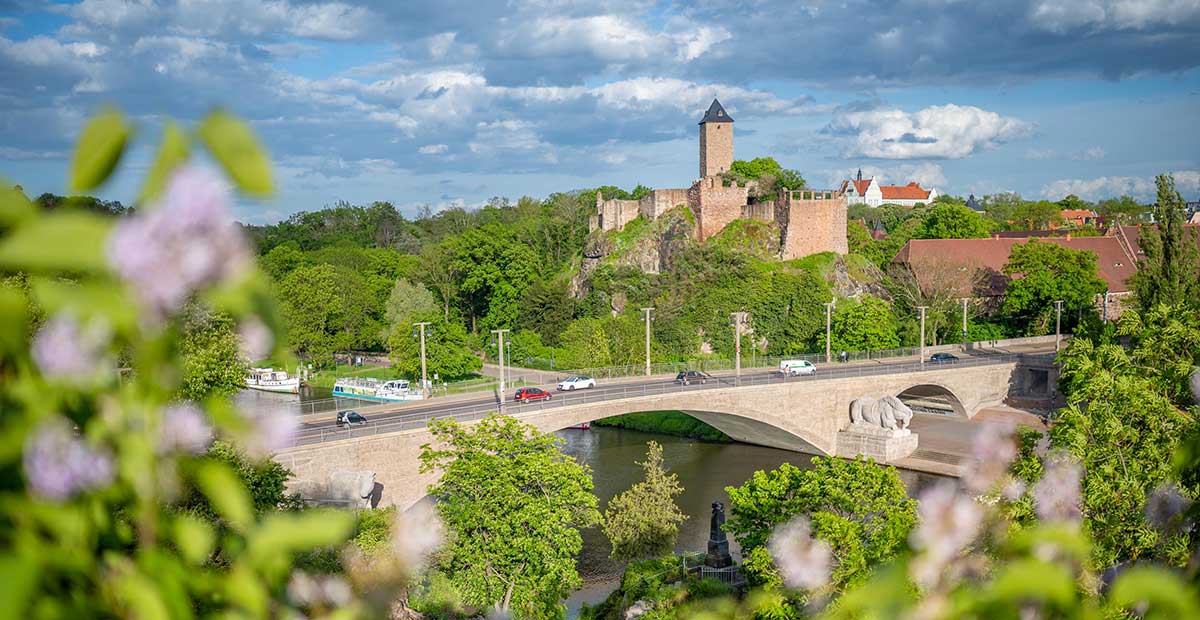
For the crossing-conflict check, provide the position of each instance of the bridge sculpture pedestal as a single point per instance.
(883, 445)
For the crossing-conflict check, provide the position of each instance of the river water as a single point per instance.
(704, 470)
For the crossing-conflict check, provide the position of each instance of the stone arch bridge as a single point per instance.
(802, 414)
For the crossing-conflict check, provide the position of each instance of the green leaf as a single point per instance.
(18, 576)
(99, 149)
(68, 241)
(283, 533)
(14, 321)
(86, 299)
(244, 588)
(14, 207)
(233, 144)
(229, 498)
(172, 151)
(1162, 590)
(1033, 579)
(194, 538)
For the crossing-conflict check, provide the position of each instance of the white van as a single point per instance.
(794, 368)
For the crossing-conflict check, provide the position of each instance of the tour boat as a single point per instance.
(396, 390)
(271, 380)
(583, 426)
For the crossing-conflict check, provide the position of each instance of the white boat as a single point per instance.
(271, 380)
(396, 390)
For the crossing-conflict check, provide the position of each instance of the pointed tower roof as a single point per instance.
(716, 114)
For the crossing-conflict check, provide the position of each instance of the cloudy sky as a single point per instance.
(451, 102)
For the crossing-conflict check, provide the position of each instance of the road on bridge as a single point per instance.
(418, 415)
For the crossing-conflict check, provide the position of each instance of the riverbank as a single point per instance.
(673, 423)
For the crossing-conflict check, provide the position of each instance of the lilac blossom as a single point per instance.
(993, 450)
(1165, 504)
(271, 431)
(418, 532)
(1056, 496)
(65, 350)
(182, 243)
(947, 521)
(804, 561)
(58, 464)
(185, 428)
(255, 339)
(308, 590)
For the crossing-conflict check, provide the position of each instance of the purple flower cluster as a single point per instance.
(65, 350)
(271, 431)
(418, 532)
(185, 428)
(804, 562)
(185, 242)
(1057, 496)
(58, 464)
(308, 590)
(255, 339)
(947, 522)
(1165, 504)
(993, 450)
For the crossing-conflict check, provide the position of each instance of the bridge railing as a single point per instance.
(602, 393)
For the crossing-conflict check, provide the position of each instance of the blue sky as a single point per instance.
(453, 102)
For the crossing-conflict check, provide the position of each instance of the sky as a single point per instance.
(453, 102)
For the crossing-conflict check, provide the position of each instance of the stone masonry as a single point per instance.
(809, 221)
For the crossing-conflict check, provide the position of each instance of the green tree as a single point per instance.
(643, 521)
(953, 221)
(865, 324)
(585, 344)
(494, 268)
(282, 259)
(514, 505)
(406, 301)
(1036, 214)
(326, 309)
(1170, 272)
(1043, 272)
(447, 351)
(1121, 210)
(861, 509)
(1074, 203)
(265, 479)
(1002, 209)
(211, 355)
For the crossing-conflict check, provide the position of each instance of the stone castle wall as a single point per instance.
(760, 211)
(812, 222)
(613, 214)
(715, 205)
(716, 148)
(660, 201)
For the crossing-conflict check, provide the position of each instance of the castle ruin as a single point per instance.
(809, 221)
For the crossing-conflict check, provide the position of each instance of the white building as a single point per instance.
(872, 194)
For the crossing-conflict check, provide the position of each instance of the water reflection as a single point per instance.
(704, 470)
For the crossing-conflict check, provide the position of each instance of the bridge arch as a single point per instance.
(934, 398)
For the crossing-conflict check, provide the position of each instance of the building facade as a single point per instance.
(869, 192)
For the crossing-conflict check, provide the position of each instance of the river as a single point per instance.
(704, 470)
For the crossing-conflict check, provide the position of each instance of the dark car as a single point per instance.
(687, 377)
(942, 358)
(530, 394)
(350, 418)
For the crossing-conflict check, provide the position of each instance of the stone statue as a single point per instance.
(888, 413)
(352, 486)
(718, 543)
(1196, 385)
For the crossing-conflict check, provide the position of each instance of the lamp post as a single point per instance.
(737, 319)
(828, 330)
(922, 309)
(647, 312)
(1057, 324)
(964, 323)
(500, 337)
(424, 366)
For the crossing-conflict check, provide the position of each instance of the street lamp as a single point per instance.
(964, 322)
(649, 318)
(1057, 323)
(500, 336)
(922, 309)
(424, 366)
(737, 319)
(828, 325)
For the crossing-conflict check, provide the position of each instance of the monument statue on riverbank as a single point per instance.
(878, 429)
(718, 543)
(888, 413)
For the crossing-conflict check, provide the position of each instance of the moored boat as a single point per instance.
(396, 390)
(271, 380)
(583, 426)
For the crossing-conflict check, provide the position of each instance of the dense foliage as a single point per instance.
(513, 505)
(643, 521)
(1044, 273)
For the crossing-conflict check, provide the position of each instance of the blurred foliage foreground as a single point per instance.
(111, 502)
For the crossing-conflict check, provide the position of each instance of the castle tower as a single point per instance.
(716, 141)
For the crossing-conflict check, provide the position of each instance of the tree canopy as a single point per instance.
(1044, 272)
(643, 521)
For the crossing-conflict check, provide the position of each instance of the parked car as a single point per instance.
(530, 394)
(793, 368)
(578, 382)
(350, 418)
(943, 358)
(687, 377)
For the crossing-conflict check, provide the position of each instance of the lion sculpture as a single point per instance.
(887, 412)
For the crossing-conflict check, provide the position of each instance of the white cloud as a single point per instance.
(1061, 16)
(433, 149)
(1091, 153)
(942, 132)
(1040, 154)
(1187, 183)
(610, 38)
(334, 21)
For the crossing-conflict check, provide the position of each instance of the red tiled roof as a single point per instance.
(1113, 264)
(1069, 213)
(860, 186)
(912, 191)
(1130, 235)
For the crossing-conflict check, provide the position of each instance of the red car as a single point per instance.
(530, 394)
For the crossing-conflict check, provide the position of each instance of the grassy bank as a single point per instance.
(674, 423)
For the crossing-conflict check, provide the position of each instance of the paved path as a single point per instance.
(945, 442)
